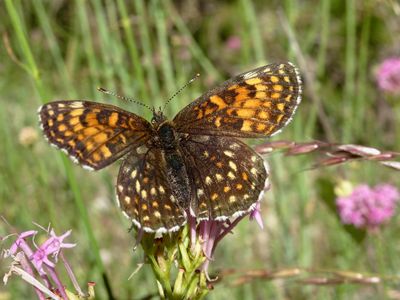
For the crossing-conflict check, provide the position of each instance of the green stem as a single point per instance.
(195, 49)
(166, 66)
(148, 52)
(253, 28)
(133, 50)
(351, 61)
(162, 276)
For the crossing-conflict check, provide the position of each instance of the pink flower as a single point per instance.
(233, 42)
(211, 232)
(27, 258)
(368, 207)
(256, 215)
(388, 75)
(51, 246)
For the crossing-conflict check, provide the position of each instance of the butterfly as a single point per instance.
(193, 164)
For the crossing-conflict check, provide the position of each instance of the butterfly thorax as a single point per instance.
(168, 141)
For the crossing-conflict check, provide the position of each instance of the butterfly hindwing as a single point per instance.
(253, 104)
(227, 176)
(144, 192)
(92, 134)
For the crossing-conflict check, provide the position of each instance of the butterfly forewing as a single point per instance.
(93, 134)
(253, 104)
(144, 192)
(227, 176)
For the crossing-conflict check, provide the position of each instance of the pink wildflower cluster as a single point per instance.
(211, 232)
(37, 264)
(388, 75)
(368, 207)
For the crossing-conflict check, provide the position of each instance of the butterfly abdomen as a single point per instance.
(175, 165)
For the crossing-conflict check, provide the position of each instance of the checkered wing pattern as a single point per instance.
(253, 104)
(227, 176)
(92, 134)
(144, 193)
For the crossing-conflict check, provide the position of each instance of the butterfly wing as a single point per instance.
(227, 176)
(257, 103)
(144, 193)
(92, 134)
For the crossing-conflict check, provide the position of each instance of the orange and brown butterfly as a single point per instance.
(193, 164)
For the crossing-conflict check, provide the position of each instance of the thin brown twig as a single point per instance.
(11, 54)
(309, 276)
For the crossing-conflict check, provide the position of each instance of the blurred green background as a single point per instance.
(147, 50)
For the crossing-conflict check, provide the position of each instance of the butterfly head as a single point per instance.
(158, 117)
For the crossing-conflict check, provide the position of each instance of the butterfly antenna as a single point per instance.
(180, 90)
(112, 93)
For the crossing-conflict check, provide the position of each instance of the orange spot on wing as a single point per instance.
(274, 79)
(252, 103)
(242, 95)
(113, 119)
(263, 115)
(90, 131)
(271, 129)
(253, 81)
(62, 127)
(89, 146)
(200, 115)
(261, 127)
(100, 138)
(275, 95)
(279, 118)
(91, 120)
(261, 95)
(106, 152)
(245, 113)
(246, 126)
(208, 111)
(218, 101)
(96, 156)
(76, 112)
(260, 87)
(218, 122)
(123, 138)
(267, 104)
(280, 106)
